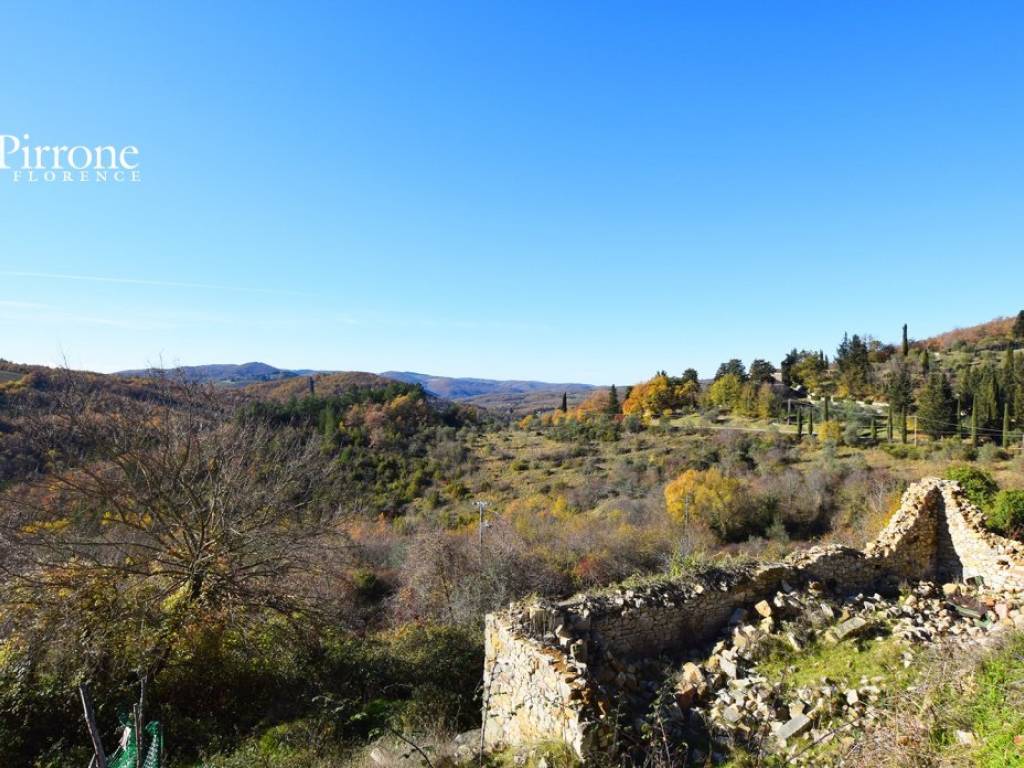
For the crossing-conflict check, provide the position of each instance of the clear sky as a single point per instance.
(568, 191)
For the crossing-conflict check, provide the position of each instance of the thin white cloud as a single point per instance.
(140, 281)
(22, 305)
(21, 311)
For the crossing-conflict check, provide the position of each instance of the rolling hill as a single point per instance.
(993, 334)
(325, 385)
(221, 374)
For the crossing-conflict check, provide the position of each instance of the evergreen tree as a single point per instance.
(986, 397)
(900, 391)
(613, 401)
(1018, 389)
(889, 425)
(1009, 380)
(810, 422)
(735, 367)
(974, 424)
(854, 365)
(935, 409)
(786, 366)
(827, 398)
(959, 422)
(565, 403)
(906, 342)
(926, 363)
(1006, 425)
(761, 371)
(899, 386)
(799, 424)
(690, 374)
(1018, 326)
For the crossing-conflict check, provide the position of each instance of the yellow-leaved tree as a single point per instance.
(661, 394)
(726, 391)
(708, 495)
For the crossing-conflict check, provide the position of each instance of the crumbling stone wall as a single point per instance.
(549, 666)
(534, 690)
(971, 551)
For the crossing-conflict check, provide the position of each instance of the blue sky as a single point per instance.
(566, 191)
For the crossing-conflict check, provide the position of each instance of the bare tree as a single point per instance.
(166, 507)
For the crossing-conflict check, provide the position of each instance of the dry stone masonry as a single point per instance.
(580, 670)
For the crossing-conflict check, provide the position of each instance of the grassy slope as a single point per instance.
(991, 706)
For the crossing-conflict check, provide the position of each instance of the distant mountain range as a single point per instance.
(463, 388)
(505, 395)
(227, 375)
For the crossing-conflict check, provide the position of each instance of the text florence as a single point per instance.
(43, 163)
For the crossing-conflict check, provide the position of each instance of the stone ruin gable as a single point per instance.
(909, 544)
(549, 666)
(970, 551)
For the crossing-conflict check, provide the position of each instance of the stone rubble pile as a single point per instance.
(738, 705)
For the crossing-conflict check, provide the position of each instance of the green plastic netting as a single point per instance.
(124, 757)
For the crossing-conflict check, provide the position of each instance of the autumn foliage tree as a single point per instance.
(710, 496)
(661, 394)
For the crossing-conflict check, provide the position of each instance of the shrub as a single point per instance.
(953, 449)
(632, 423)
(1006, 515)
(990, 453)
(901, 451)
(830, 432)
(977, 484)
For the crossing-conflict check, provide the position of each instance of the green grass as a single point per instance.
(846, 663)
(992, 709)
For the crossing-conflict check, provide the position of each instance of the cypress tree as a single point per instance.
(906, 342)
(1018, 326)
(827, 398)
(903, 426)
(1006, 425)
(799, 425)
(926, 363)
(565, 403)
(959, 423)
(1009, 379)
(889, 425)
(613, 401)
(810, 422)
(974, 424)
(987, 397)
(936, 406)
